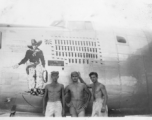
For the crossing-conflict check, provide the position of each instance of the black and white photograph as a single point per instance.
(76, 58)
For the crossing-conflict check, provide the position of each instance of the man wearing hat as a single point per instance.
(34, 69)
(77, 92)
(53, 99)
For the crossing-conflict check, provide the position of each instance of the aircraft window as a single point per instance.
(62, 48)
(96, 56)
(87, 61)
(74, 48)
(75, 60)
(72, 54)
(75, 54)
(66, 53)
(68, 48)
(59, 53)
(55, 42)
(96, 49)
(71, 48)
(84, 55)
(90, 50)
(56, 48)
(89, 43)
(72, 60)
(77, 48)
(78, 42)
(69, 54)
(62, 53)
(58, 41)
(92, 43)
(69, 60)
(83, 61)
(79, 60)
(75, 42)
(89, 55)
(56, 53)
(121, 39)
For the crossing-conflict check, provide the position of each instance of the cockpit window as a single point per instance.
(121, 39)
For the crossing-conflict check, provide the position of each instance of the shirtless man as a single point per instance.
(54, 97)
(77, 92)
(100, 96)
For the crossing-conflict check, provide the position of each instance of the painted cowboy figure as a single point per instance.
(35, 67)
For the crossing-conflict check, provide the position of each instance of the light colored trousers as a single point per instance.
(54, 108)
(36, 82)
(96, 110)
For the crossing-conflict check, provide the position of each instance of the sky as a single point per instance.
(121, 13)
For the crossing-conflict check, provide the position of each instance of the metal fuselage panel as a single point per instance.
(124, 68)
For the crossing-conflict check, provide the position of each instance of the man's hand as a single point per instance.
(103, 109)
(15, 66)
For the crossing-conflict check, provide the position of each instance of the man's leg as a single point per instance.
(31, 80)
(82, 114)
(58, 109)
(94, 112)
(73, 112)
(49, 110)
(39, 77)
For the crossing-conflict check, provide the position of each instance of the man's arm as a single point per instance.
(42, 58)
(105, 97)
(63, 101)
(45, 99)
(82, 81)
(66, 95)
(25, 59)
(89, 96)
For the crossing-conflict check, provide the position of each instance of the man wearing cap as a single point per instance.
(53, 99)
(79, 101)
(34, 69)
(99, 95)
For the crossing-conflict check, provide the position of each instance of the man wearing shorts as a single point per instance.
(100, 96)
(53, 100)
